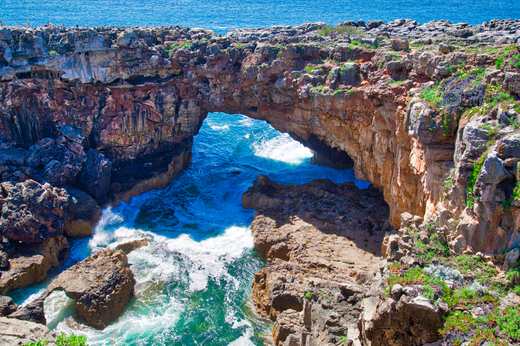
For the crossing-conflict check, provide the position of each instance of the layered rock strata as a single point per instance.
(114, 110)
(428, 113)
(321, 242)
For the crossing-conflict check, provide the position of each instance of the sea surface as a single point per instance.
(224, 15)
(194, 280)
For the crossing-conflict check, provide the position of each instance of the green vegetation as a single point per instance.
(310, 69)
(63, 340)
(413, 276)
(53, 52)
(393, 81)
(477, 166)
(509, 322)
(308, 295)
(432, 95)
(72, 340)
(38, 343)
(327, 30)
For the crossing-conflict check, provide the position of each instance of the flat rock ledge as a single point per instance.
(321, 241)
(16, 332)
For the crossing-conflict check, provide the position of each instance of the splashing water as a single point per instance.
(193, 281)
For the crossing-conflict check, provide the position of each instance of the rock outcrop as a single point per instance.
(114, 110)
(31, 212)
(321, 242)
(16, 332)
(31, 264)
(102, 286)
(428, 113)
(7, 306)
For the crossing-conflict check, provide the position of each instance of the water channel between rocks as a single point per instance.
(194, 279)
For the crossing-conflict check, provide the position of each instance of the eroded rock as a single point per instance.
(16, 332)
(31, 212)
(102, 286)
(317, 238)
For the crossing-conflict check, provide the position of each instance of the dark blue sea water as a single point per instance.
(224, 15)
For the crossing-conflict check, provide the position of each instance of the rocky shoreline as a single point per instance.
(429, 113)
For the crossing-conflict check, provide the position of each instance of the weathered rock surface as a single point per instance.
(408, 321)
(116, 109)
(31, 212)
(32, 312)
(83, 214)
(133, 245)
(7, 306)
(16, 332)
(317, 238)
(31, 266)
(102, 286)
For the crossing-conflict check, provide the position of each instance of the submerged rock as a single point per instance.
(133, 245)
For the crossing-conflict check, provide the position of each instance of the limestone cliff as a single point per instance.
(398, 109)
(428, 113)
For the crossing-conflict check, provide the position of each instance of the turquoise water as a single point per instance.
(224, 15)
(194, 280)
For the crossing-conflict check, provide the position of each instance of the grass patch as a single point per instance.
(327, 30)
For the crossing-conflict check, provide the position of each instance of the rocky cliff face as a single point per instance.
(121, 106)
(428, 113)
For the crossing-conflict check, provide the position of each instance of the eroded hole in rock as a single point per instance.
(197, 270)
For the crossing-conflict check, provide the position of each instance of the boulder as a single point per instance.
(400, 44)
(7, 306)
(16, 332)
(32, 312)
(102, 286)
(511, 259)
(32, 265)
(83, 213)
(96, 174)
(31, 212)
(132, 245)
(57, 161)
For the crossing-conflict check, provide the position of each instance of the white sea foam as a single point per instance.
(209, 256)
(215, 127)
(244, 340)
(283, 148)
(245, 121)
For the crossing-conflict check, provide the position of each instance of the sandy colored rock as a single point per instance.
(16, 332)
(317, 237)
(32, 266)
(102, 286)
(133, 245)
